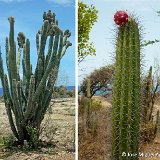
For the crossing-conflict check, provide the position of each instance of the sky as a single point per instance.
(28, 16)
(103, 32)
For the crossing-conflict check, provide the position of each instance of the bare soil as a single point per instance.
(57, 129)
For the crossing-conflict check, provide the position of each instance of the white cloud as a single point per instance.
(61, 2)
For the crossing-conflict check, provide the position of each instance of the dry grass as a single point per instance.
(152, 147)
(98, 146)
(58, 131)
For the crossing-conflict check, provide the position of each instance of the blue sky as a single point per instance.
(28, 19)
(103, 35)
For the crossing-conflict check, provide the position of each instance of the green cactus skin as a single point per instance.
(29, 97)
(126, 92)
(89, 104)
(88, 88)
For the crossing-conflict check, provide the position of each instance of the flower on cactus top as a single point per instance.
(121, 18)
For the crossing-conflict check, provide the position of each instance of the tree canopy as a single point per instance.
(99, 79)
(87, 16)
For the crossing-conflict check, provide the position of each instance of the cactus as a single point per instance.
(149, 121)
(88, 108)
(88, 88)
(126, 91)
(28, 98)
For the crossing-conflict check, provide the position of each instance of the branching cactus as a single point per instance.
(27, 99)
(126, 92)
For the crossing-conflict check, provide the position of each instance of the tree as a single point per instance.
(99, 79)
(63, 92)
(87, 16)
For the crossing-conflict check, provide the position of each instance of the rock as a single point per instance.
(44, 150)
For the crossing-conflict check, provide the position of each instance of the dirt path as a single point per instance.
(58, 128)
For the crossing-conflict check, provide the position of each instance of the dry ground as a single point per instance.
(99, 146)
(57, 129)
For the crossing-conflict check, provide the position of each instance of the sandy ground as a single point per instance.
(57, 128)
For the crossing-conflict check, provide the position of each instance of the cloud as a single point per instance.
(61, 2)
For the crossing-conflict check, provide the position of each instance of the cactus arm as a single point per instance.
(88, 88)
(40, 70)
(11, 34)
(7, 52)
(16, 102)
(26, 66)
(66, 43)
(156, 124)
(24, 82)
(60, 44)
(18, 110)
(7, 98)
(46, 104)
(48, 69)
(49, 50)
(12, 53)
(18, 59)
(19, 93)
(8, 104)
(37, 41)
(4, 81)
(52, 79)
(65, 48)
(24, 100)
(29, 102)
(21, 42)
(43, 38)
(49, 92)
(48, 95)
(11, 122)
(23, 61)
(27, 59)
(41, 57)
(43, 43)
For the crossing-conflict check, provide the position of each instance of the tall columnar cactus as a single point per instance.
(28, 98)
(126, 92)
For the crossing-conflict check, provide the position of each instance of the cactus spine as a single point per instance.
(28, 98)
(126, 92)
